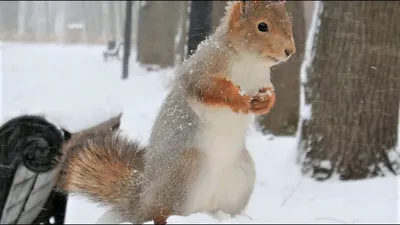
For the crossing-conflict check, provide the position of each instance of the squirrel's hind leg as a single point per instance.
(170, 196)
(162, 220)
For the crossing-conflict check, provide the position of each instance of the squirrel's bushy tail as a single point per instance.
(102, 165)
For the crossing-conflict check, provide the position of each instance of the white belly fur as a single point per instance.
(221, 181)
(224, 177)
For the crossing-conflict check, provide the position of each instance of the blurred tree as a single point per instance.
(21, 18)
(308, 11)
(117, 22)
(352, 90)
(283, 118)
(9, 15)
(47, 22)
(105, 11)
(127, 39)
(157, 31)
(135, 21)
(182, 34)
(200, 23)
(218, 11)
(93, 19)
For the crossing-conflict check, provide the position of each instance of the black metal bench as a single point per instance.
(112, 51)
(29, 146)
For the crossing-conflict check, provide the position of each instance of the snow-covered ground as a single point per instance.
(72, 86)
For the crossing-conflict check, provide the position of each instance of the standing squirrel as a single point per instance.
(196, 159)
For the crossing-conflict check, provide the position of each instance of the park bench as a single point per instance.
(29, 145)
(112, 50)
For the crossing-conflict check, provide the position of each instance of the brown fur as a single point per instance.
(222, 92)
(99, 164)
(160, 219)
(262, 103)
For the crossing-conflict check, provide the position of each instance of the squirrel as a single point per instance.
(196, 160)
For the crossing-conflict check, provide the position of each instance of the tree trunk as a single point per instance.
(106, 20)
(127, 39)
(352, 91)
(65, 15)
(47, 17)
(135, 23)
(92, 26)
(39, 19)
(21, 18)
(10, 15)
(86, 19)
(3, 29)
(117, 20)
(181, 36)
(82, 18)
(158, 23)
(200, 23)
(111, 20)
(284, 116)
(308, 11)
(122, 7)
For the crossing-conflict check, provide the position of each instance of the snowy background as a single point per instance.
(74, 88)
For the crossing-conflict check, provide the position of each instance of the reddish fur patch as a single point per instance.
(236, 14)
(101, 168)
(161, 212)
(262, 102)
(99, 164)
(160, 220)
(222, 92)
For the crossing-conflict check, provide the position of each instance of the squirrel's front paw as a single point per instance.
(262, 102)
(239, 101)
(222, 92)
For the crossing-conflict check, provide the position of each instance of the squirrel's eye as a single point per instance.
(263, 27)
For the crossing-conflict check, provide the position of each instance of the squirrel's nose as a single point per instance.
(290, 49)
(289, 52)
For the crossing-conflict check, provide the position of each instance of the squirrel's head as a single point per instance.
(261, 27)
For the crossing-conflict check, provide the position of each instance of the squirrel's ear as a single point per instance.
(236, 14)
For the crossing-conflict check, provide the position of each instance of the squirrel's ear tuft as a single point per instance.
(235, 13)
